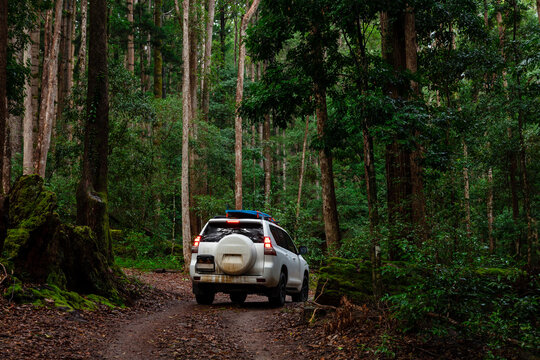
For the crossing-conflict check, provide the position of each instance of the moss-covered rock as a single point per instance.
(352, 278)
(344, 277)
(43, 250)
(52, 295)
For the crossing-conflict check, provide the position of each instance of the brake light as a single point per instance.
(195, 247)
(268, 248)
(233, 221)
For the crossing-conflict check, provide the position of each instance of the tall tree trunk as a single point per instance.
(302, 166)
(65, 57)
(193, 62)
(130, 44)
(158, 60)
(92, 208)
(186, 112)
(13, 139)
(330, 215)
(267, 160)
(82, 49)
(239, 95)
(329, 206)
(3, 88)
(49, 86)
(371, 190)
(532, 232)
(222, 33)
(28, 119)
(418, 203)
(284, 163)
(406, 203)
(148, 54)
(491, 239)
(466, 189)
(31, 114)
(207, 59)
(142, 69)
(235, 23)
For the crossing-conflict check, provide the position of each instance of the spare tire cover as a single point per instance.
(235, 254)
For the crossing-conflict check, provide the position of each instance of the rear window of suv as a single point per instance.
(215, 231)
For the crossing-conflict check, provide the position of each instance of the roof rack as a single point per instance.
(249, 214)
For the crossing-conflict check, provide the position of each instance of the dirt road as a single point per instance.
(166, 323)
(185, 330)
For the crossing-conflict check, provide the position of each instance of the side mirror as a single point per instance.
(302, 250)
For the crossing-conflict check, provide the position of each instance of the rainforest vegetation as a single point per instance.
(398, 140)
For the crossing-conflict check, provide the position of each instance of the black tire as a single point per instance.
(205, 298)
(277, 298)
(304, 293)
(238, 298)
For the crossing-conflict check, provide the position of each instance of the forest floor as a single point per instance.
(166, 323)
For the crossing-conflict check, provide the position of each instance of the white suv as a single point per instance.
(246, 252)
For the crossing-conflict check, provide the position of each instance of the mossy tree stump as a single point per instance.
(40, 249)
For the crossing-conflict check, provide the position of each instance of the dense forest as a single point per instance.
(399, 136)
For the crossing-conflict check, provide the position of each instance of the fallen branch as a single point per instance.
(322, 306)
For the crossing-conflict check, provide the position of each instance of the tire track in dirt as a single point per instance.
(254, 326)
(136, 339)
(185, 330)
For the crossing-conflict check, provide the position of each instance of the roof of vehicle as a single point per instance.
(249, 214)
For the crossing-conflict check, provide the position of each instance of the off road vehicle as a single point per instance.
(247, 252)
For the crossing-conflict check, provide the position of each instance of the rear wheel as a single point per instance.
(303, 294)
(277, 298)
(205, 298)
(238, 298)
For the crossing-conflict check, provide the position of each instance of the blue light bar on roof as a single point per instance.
(249, 214)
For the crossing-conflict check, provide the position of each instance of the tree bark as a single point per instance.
(267, 160)
(65, 57)
(284, 163)
(27, 119)
(532, 232)
(330, 215)
(82, 49)
(3, 85)
(193, 64)
(6, 164)
(49, 87)
(302, 166)
(207, 59)
(418, 203)
(371, 190)
(491, 239)
(466, 190)
(158, 60)
(538, 10)
(186, 112)
(92, 203)
(222, 33)
(405, 198)
(130, 44)
(239, 95)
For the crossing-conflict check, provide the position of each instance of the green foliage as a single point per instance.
(137, 250)
(490, 303)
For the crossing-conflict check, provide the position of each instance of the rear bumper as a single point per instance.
(248, 283)
(204, 287)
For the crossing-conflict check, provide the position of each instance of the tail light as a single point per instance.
(268, 248)
(195, 247)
